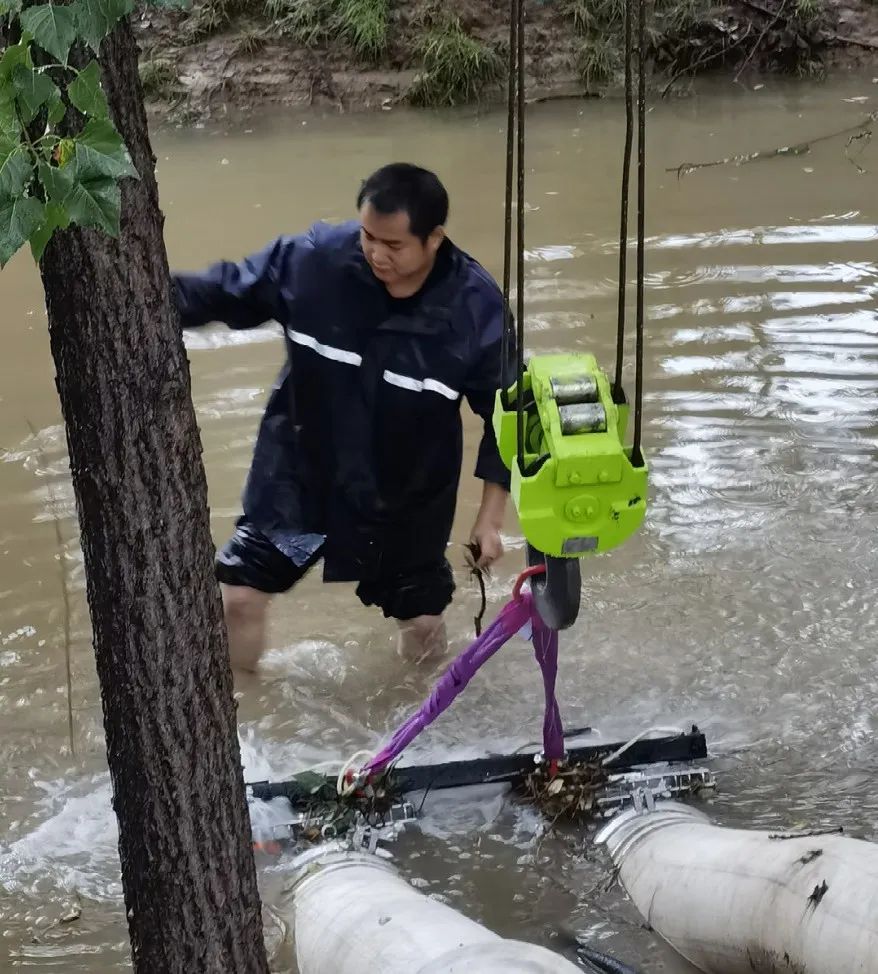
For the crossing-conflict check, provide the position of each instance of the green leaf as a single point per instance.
(9, 124)
(9, 7)
(170, 4)
(11, 58)
(55, 218)
(15, 56)
(100, 152)
(57, 181)
(86, 94)
(95, 203)
(53, 28)
(16, 167)
(33, 90)
(19, 218)
(96, 18)
(57, 108)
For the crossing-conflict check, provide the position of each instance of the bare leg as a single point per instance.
(422, 638)
(246, 612)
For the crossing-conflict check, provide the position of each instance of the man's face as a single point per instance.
(393, 252)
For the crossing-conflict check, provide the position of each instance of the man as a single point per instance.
(358, 457)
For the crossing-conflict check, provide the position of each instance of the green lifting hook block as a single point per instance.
(577, 491)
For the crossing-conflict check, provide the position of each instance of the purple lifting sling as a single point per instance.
(512, 619)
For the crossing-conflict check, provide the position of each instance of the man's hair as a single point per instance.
(402, 187)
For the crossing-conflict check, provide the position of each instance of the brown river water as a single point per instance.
(746, 603)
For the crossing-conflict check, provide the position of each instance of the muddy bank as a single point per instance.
(366, 54)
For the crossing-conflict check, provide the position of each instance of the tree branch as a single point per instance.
(854, 41)
(837, 38)
(761, 38)
(799, 149)
(704, 59)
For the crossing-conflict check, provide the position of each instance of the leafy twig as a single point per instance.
(864, 137)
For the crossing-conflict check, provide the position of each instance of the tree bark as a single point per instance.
(160, 643)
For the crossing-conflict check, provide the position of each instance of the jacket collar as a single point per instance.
(432, 313)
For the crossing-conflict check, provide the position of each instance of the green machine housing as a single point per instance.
(579, 492)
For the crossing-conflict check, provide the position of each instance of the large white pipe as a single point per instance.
(737, 902)
(353, 914)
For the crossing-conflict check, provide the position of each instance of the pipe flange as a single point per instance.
(330, 857)
(630, 826)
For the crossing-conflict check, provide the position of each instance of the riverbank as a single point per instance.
(366, 54)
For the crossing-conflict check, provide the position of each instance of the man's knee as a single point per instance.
(243, 605)
(422, 638)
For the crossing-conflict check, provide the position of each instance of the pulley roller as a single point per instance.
(574, 389)
(583, 417)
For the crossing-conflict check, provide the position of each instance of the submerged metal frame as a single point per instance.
(510, 768)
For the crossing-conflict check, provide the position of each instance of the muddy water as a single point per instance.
(746, 604)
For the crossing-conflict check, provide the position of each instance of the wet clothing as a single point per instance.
(249, 558)
(359, 452)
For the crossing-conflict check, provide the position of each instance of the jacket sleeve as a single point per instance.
(482, 384)
(242, 295)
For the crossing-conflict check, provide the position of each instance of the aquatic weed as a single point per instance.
(568, 792)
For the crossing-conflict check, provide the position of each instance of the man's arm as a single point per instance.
(481, 390)
(489, 523)
(243, 295)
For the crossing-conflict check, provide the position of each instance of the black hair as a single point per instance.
(402, 187)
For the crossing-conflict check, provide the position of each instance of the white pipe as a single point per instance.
(353, 914)
(737, 902)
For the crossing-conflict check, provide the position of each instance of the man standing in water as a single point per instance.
(359, 453)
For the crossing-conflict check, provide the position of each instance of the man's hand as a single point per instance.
(486, 540)
(486, 530)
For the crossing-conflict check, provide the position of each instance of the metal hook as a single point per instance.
(556, 584)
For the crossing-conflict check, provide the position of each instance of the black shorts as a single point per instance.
(250, 559)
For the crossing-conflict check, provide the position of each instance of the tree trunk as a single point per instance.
(160, 644)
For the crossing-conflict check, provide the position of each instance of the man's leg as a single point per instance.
(246, 612)
(422, 638)
(250, 571)
(416, 599)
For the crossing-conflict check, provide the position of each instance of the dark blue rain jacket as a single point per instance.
(360, 448)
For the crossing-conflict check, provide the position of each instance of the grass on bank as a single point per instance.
(306, 21)
(456, 67)
(361, 23)
(158, 78)
(684, 38)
